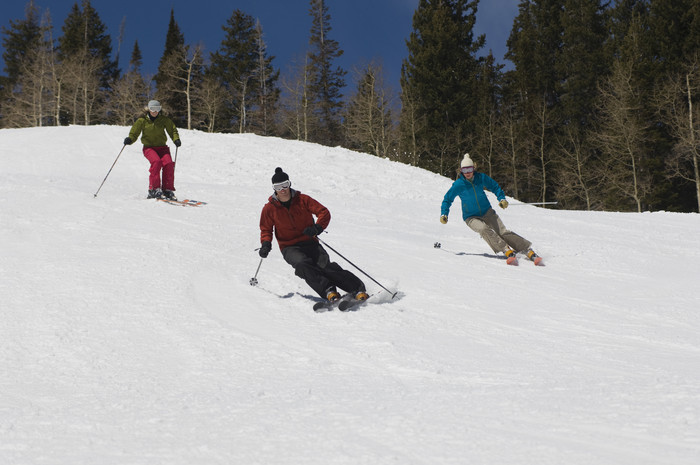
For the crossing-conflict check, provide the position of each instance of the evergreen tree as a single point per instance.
(673, 42)
(20, 39)
(84, 32)
(30, 99)
(136, 60)
(534, 46)
(243, 68)
(170, 82)
(486, 140)
(581, 64)
(582, 60)
(326, 83)
(439, 83)
(86, 69)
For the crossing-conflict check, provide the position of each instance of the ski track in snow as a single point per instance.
(130, 333)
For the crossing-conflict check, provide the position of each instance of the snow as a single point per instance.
(129, 333)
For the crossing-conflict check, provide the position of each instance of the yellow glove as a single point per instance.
(503, 204)
(443, 219)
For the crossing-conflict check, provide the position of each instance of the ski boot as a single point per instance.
(511, 259)
(155, 193)
(536, 259)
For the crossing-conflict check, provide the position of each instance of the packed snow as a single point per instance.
(130, 333)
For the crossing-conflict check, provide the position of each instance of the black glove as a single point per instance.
(177, 142)
(128, 141)
(265, 249)
(313, 230)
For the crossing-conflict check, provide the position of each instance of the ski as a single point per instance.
(512, 260)
(184, 203)
(326, 306)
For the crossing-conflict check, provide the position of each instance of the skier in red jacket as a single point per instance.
(290, 214)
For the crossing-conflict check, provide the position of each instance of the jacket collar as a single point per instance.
(274, 199)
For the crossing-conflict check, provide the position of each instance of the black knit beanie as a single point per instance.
(280, 176)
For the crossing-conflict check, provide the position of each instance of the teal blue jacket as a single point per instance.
(472, 195)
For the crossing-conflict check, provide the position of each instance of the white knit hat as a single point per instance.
(466, 161)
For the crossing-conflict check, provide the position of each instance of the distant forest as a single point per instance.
(600, 110)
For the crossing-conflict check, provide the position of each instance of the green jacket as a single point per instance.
(153, 131)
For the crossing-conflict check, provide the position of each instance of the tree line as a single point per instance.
(598, 111)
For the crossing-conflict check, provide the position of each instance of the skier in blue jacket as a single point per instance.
(480, 217)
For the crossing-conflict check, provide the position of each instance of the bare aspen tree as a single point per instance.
(210, 98)
(80, 80)
(675, 104)
(410, 124)
(129, 93)
(368, 122)
(266, 93)
(543, 123)
(30, 101)
(296, 105)
(180, 72)
(621, 134)
(511, 148)
(578, 176)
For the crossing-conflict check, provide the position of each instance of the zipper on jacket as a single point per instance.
(476, 197)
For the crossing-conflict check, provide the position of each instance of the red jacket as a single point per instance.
(289, 224)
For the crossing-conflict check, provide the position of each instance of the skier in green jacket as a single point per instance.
(153, 124)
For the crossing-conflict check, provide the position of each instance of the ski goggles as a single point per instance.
(467, 169)
(155, 108)
(282, 185)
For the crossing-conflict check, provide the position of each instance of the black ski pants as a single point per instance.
(312, 264)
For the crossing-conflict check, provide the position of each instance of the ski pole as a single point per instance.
(533, 203)
(341, 255)
(110, 170)
(254, 279)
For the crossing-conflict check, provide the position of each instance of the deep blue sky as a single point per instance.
(365, 29)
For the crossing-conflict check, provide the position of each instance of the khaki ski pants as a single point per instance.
(493, 231)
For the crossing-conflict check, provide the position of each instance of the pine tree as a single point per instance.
(31, 98)
(487, 141)
(136, 60)
(440, 83)
(581, 64)
(87, 71)
(243, 67)
(20, 38)
(326, 83)
(534, 46)
(84, 32)
(170, 82)
(673, 42)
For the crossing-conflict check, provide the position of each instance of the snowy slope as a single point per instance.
(129, 333)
